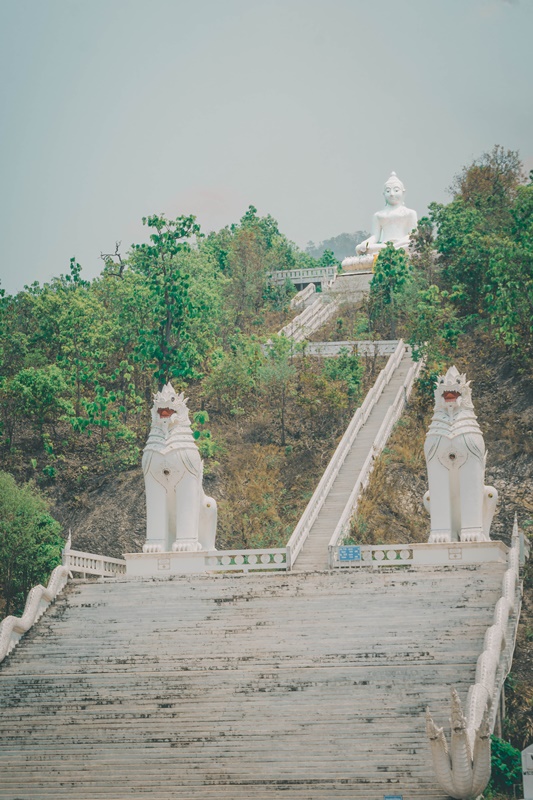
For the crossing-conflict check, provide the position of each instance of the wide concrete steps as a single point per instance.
(314, 553)
(313, 685)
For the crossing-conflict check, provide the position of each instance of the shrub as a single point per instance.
(506, 767)
(30, 542)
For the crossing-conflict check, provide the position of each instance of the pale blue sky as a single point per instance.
(114, 109)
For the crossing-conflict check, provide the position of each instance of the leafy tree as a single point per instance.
(248, 268)
(327, 259)
(391, 272)
(234, 374)
(277, 377)
(166, 342)
(30, 542)
(346, 367)
(422, 250)
(509, 295)
(36, 397)
(322, 398)
(279, 297)
(489, 184)
(485, 245)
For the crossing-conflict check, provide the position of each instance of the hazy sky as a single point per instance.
(115, 109)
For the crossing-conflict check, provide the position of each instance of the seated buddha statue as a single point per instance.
(393, 224)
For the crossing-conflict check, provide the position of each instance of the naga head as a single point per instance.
(453, 391)
(170, 408)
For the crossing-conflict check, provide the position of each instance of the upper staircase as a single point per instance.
(314, 553)
(303, 686)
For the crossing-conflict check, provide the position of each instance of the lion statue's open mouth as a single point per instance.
(164, 413)
(449, 397)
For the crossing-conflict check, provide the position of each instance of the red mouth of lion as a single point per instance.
(164, 413)
(449, 397)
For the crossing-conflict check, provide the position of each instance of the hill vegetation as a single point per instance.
(80, 360)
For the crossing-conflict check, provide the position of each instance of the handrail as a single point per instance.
(494, 663)
(378, 444)
(268, 558)
(302, 295)
(39, 598)
(380, 347)
(302, 529)
(280, 276)
(463, 770)
(310, 319)
(93, 564)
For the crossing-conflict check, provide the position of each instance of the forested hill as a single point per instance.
(80, 360)
(342, 246)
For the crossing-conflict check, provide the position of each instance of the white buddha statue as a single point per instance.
(393, 224)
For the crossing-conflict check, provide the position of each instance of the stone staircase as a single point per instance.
(314, 554)
(307, 686)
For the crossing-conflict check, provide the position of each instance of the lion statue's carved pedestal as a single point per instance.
(179, 516)
(460, 505)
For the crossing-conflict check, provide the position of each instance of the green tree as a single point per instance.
(422, 250)
(489, 184)
(34, 397)
(391, 272)
(327, 259)
(485, 245)
(277, 377)
(234, 374)
(166, 342)
(346, 367)
(30, 542)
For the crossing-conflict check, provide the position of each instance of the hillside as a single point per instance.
(261, 487)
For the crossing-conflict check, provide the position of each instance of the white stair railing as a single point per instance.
(246, 560)
(311, 319)
(302, 529)
(93, 564)
(494, 663)
(300, 298)
(391, 417)
(39, 598)
(366, 347)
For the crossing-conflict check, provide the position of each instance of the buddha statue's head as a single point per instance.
(394, 191)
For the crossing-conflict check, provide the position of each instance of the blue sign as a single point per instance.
(393, 797)
(350, 553)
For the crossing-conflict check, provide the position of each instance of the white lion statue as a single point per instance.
(460, 505)
(179, 516)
